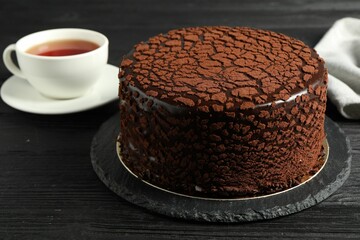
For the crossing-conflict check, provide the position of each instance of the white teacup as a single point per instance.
(59, 76)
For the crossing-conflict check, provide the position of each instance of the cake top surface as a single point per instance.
(221, 68)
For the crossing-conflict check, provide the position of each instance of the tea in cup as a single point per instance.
(59, 63)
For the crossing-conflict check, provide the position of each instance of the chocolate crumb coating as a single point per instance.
(222, 111)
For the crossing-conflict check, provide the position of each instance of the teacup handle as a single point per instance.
(9, 62)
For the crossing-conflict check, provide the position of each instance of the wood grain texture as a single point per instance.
(47, 187)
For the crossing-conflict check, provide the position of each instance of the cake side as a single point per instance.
(209, 141)
(254, 152)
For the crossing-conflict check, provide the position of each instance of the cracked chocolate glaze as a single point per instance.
(218, 134)
(226, 68)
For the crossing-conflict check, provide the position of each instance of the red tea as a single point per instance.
(63, 48)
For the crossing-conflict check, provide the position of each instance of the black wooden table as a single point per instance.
(48, 189)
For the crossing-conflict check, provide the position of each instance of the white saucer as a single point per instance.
(19, 94)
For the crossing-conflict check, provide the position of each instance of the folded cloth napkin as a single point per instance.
(340, 48)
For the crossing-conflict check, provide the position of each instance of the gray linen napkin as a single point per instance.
(340, 48)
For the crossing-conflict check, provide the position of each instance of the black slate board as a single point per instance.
(115, 176)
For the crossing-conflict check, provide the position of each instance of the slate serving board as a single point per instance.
(116, 177)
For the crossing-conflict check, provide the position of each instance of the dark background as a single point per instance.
(48, 189)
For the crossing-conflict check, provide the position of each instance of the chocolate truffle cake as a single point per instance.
(222, 111)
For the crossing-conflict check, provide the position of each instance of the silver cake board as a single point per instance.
(119, 179)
